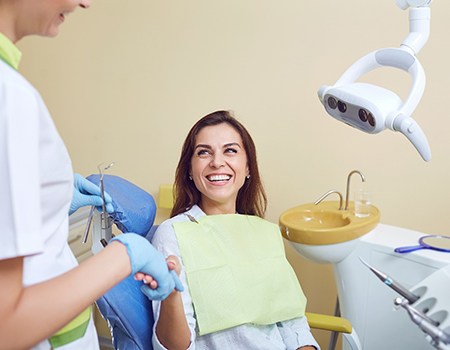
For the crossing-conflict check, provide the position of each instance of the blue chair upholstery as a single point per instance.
(126, 309)
(129, 315)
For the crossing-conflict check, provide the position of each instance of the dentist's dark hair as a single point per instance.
(251, 199)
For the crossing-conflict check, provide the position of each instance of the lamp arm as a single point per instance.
(419, 29)
(404, 4)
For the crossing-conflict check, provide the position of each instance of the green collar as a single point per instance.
(9, 52)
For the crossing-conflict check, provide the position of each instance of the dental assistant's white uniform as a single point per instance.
(36, 186)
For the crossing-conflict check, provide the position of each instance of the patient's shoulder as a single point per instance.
(165, 234)
(165, 239)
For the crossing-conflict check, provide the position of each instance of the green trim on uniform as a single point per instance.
(74, 330)
(9, 52)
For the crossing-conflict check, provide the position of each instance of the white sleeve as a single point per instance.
(20, 199)
(296, 333)
(166, 242)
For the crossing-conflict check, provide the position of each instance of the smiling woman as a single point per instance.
(223, 249)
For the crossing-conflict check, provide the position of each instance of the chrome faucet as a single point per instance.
(327, 194)
(363, 178)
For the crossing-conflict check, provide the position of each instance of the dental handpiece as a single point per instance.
(425, 323)
(413, 312)
(403, 291)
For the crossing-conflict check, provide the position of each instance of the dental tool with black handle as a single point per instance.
(403, 291)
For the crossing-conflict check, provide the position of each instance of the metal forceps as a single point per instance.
(105, 219)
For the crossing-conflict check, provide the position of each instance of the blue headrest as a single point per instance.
(134, 209)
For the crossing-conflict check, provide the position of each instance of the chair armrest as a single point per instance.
(329, 323)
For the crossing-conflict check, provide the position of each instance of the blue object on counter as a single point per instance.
(134, 208)
(433, 242)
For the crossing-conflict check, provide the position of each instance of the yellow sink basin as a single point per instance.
(325, 223)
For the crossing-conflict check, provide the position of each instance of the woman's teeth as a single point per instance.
(218, 177)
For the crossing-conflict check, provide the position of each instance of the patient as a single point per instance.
(240, 291)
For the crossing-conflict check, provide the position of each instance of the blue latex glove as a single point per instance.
(145, 258)
(86, 193)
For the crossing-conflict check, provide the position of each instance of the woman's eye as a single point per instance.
(231, 150)
(203, 153)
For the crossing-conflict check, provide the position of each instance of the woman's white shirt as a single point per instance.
(284, 335)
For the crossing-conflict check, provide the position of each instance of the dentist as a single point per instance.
(45, 296)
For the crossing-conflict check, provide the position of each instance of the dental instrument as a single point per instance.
(88, 225)
(403, 291)
(433, 242)
(105, 219)
(413, 310)
(426, 324)
(372, 108)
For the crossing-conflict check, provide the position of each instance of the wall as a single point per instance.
(126, 80)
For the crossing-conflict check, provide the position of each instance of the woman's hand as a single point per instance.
(172, 263)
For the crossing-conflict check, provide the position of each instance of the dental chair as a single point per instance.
(126, 309)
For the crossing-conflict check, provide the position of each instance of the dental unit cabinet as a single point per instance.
(410, 310)
(369, 304)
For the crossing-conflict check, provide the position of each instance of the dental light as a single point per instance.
(371, 108)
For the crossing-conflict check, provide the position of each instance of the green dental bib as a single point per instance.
(237, 272)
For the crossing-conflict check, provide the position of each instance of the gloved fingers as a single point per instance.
(143, 256)
(108, 200)
(86, 200)
(109, 207)
(178, 285)
(81, 200)
(164, 288)
(87, 187)
(158, 293)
